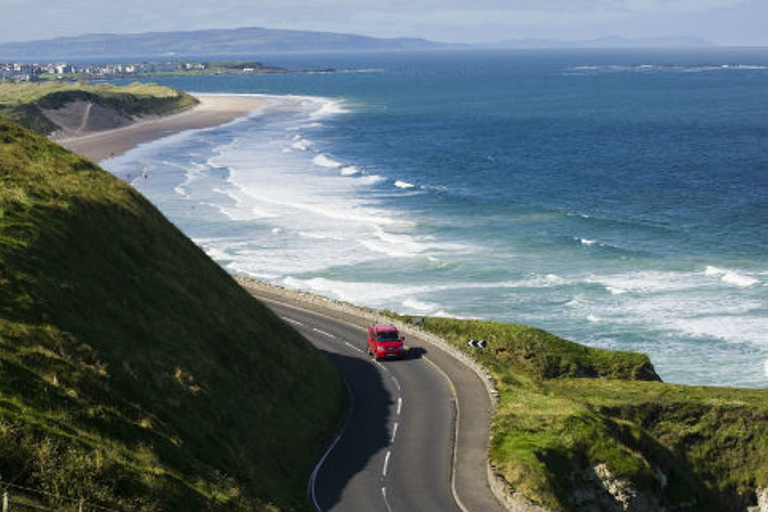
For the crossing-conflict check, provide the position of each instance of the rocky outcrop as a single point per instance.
(610, 493)
(512, 500)
(762, 500)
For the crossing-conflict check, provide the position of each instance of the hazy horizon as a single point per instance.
(723, 22)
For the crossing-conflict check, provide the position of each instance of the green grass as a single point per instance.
(565, 408)
(24, 102)
(134, 372)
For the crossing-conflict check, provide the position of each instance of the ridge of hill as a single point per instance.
(201, 43)
(134, 372)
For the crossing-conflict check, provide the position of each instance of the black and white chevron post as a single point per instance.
(476, 343)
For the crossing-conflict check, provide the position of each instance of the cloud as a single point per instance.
(681, 6)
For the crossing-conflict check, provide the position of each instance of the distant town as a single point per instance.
(25, 72)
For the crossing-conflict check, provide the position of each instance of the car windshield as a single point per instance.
(389, 336)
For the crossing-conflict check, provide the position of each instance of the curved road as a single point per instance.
(401, 448)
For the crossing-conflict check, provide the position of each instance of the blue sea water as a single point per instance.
(616, 198)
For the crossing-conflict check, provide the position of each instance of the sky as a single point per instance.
(728, 22)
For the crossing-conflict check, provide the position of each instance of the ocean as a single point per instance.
(617, 198)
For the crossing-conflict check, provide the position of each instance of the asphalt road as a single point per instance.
(401, 448)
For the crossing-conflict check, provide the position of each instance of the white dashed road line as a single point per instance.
(319, 331)
(386, 463)
(357, 349)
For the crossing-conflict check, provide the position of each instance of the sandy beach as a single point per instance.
(213, 110)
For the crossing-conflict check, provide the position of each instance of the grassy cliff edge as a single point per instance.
(583, 429)
(29, 103)
(134, 372)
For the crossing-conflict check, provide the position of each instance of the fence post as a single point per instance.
(81, 505)
(5, 501)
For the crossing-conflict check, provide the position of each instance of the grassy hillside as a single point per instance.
(134, 372)
(573, 421)
(25, 102)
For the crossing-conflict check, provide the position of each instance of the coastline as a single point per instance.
(213, 110)
(162, 129)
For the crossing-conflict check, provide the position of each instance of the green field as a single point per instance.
(134, 372)
(568, 413)
(24, 102)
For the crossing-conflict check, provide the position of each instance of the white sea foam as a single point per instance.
(301, 144)
(304, 126)
(372, 178)
(324, 160)
(689, 304)
(766, 368)
(669, 68)
(393, 245)
(375, 294)
(419, 306)
(647, 282)
(404, 184)
(587, 242)
(731, 277)
(328, 107)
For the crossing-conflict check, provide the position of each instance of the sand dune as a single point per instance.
(85, 134)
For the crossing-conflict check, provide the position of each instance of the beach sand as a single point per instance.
(213, 110)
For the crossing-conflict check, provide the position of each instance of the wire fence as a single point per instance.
(17, 498)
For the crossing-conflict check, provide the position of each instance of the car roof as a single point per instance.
(383, 327)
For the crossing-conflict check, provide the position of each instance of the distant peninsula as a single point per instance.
(34, 72)
(204, 43)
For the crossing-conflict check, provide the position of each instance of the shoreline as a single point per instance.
(213, 110)
(218, 109)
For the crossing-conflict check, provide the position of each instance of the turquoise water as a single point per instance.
(619, 199)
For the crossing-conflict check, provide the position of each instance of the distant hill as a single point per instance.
(135, 373)
(605, 42)
(201, 43)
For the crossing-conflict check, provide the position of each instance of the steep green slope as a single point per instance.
(25, 102)
(134, 372)
(583, 429)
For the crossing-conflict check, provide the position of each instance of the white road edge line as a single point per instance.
(313, 478)
(394, 433)
(386, 501)
(399, 405)
(454, 460)
(386, 463)
(442, 372)
(292, 321)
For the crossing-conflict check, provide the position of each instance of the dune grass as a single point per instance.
(569, 412)
(134, 372)
(24, 102)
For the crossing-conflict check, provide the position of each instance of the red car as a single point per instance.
(385, 342)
